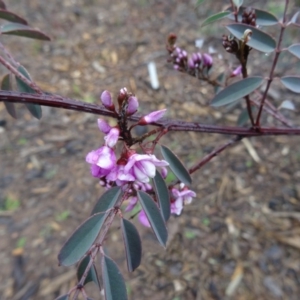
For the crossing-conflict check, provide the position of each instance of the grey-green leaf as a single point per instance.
(81, 240)
(162, 196)
(238, 3)
(23, 87)
(259, 39)
(295, 50)
(176, 165)
(12, 17)
(154, 216)
(6, 86)
(133, 244)
(216, 17)
(263, 17)
(237, 91)
(113, 281)
(292, 83)
(92, 275)
(107, 200)
(24, 31)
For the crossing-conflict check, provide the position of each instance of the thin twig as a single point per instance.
(277, 53)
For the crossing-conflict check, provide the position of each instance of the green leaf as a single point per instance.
(293, 20)
(292, 83)
(176, 165)
(24, 31)
(113, 281)
(295, 50)
(12, 17)
(107, 200)
(62, 297)
(263, 18)
(259, 40)
(221, 79)
(215, 17)
(162, 195)
(154, 216)
(92, 275)
(35, 109)
(236, 91)
(6, 86)
(133, 245)
(81, 240)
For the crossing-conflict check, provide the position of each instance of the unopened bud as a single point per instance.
(152, 117)
(103, 126)
(133, 105)
(107, 100)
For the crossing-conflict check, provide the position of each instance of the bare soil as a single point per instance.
(239, 239)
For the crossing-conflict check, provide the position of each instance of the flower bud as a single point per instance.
(133, 105)
(152, 117)
(207, 60)
(103, 126)
(107, 101)
(236, 72)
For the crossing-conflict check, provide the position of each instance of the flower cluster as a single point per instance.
(196, 64)
(128, 169)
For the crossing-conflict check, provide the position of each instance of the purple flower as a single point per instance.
(207, 60)
(237, 71)
(103, 157)
(143, 219)
(103, 126)
(152, 117)
(143, 166)
(133, 105)
(177, 206)
(107, 100)
(132, 203)
(112, 137)
(119, 176)
(182, 197)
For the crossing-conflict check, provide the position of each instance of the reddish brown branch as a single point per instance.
(171, 125)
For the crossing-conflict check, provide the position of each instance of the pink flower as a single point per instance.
(181, 197)
(143, 219)
(103, 157)
(143, 166)
(177, 206)
(133, 105)
(107, 100)
(237, 71)
(207, 60)
(112, 137)
(132, 204)
(103, 126)
(152, 117)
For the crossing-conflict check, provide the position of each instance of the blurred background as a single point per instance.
(239, 239)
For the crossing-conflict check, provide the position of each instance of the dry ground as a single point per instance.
(241, 235)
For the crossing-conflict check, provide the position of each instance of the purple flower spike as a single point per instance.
(103, 126)
(237, 71)
(207, 60)
(112, 137)
(107, 100)
(103, 157)
(143, 219)
(152, 117)
(133, 105)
